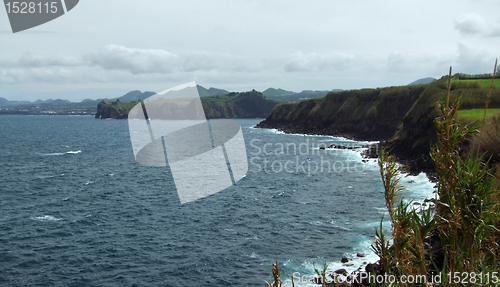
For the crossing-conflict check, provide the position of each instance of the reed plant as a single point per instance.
(277, 276)
(407, 254)
(467, 210)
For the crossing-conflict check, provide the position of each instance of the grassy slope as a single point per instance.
(476, 114)
(482, 83)
(418, 129)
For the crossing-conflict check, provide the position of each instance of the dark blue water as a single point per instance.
(77, 210)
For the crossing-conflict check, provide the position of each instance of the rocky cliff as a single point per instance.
(368, 114)
(402, 117)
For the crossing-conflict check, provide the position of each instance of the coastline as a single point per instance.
(355, 266)
(413, 161)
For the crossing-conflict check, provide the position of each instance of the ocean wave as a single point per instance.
(59, 153)
(327, 137)
(50, 154)
(45, 218)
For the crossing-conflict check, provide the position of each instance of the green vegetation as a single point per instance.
(203, 92)
(272, 92)
(481, 83)
(115, 109)
(403, 113)
(418, 132)
(476, 114)
(289, 96)
(238, 105)
(465, 217)
(367, 113)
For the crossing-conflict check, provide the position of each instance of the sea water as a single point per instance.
(77, 210)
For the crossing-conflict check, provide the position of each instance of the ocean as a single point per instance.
(76, 209)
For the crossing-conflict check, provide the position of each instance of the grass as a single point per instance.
(476, 114)
(467, 209)
(483, 83)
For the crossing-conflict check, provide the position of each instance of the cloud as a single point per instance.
(134, 60)
(474, 60)
(37, 74)
(470, 24)
(158, 61)
(300, 62)
(494, 31)
(32, 60)
(473, 24)
(121, 64)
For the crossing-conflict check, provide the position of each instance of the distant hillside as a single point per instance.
(114, 109)
(3, 102)
(422, 81)
(289, 96)
(272, 92)
(203, 92)
(233, 105)
(6, 103)
(135, 96)
(238, 105)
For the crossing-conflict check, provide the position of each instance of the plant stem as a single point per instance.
(491, 90)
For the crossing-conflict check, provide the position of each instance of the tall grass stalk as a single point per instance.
(277, 276)
(407, 255)
(467, 209)
(491, 89)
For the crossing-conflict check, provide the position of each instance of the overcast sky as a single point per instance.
(105, 48)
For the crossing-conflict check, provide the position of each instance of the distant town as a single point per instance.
(49, 109)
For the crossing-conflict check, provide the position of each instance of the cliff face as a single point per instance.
(368, 114)
(114, 110)
(402, 116)
(233, 105)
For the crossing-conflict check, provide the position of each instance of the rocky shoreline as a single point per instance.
(413, 161)
(357, 278)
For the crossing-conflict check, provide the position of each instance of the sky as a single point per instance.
(103, 49)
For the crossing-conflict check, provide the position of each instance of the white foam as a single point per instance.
(59, 153)
(45, 218)
(306, 268)
(50, 154)
(327, 137)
